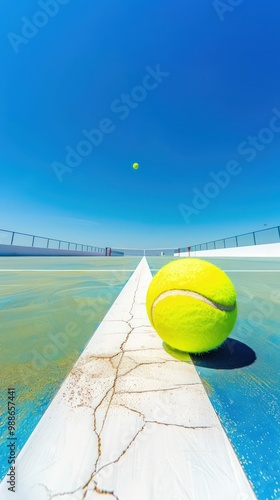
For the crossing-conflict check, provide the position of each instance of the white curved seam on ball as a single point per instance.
(195, 295)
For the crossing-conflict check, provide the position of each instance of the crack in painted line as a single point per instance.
(98, 490)
(143, 364)
(132, 409)
(110, 358)
(57, 495)
(158, 390)
(143, 427)
(165, 423)
(92, 484)
(113, 389)
(181, 425)
(123, 452)
(49, 493)
(95, 425)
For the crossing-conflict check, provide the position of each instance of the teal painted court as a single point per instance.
(50, 308)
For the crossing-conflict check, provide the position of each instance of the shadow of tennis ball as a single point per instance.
(230, 355)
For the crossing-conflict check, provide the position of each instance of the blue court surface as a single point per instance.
(50, 308)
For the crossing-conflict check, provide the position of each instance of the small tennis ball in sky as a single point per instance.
(192, 305)
(135, 166)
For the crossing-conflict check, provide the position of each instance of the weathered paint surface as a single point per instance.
(49, 309)
(129, 421)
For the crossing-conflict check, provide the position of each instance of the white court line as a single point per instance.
(64, 270)
(252, 270)
(122, 270)
(245, 270)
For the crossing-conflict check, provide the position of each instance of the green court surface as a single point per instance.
(50, 307)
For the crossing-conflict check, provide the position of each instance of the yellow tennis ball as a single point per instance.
(192, 305)
(135, 166)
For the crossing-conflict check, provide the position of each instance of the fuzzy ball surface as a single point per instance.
(191, 304)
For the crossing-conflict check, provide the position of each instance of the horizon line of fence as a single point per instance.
(44, 242)
(259, 237)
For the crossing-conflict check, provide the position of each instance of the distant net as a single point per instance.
(155, 252)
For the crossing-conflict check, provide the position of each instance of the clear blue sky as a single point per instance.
(223, 83)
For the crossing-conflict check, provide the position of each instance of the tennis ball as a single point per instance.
(135, 166)
(192, 305)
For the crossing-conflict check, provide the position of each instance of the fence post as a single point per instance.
(33, 239)
(214, 244)
(236, 241)
(12, 239)
(254, 236)
(224, 243)
(48, 240)
(279, 231)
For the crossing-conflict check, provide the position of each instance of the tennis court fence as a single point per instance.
(260, 237)
(24, 240)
